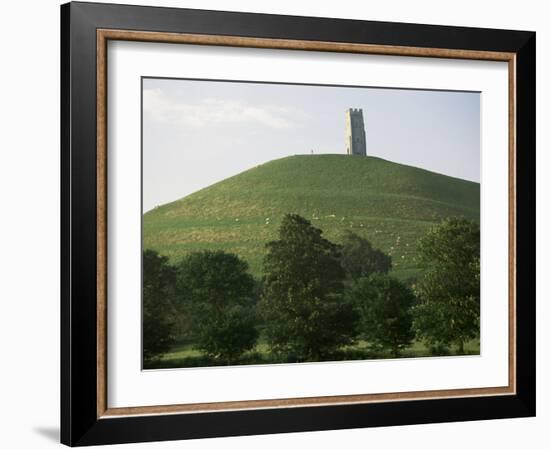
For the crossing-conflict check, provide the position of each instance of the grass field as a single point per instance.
(183, 355)
(392, 205)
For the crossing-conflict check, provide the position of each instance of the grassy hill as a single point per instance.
(390, 204)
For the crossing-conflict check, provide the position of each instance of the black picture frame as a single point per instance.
(80, 424)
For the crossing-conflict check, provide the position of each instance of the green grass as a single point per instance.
(390, 204)
(183, 355)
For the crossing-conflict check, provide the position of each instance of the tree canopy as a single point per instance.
(448, 309)
(159, 306)
(385, 310)
(305, 313)
(360, 259)
(218, 291)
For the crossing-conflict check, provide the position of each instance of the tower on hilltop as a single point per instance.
(355, 132)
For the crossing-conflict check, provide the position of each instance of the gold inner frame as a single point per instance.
(104, 35)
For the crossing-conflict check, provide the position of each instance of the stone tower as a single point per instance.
(355, 132)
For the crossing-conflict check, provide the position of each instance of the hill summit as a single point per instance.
(390, 204)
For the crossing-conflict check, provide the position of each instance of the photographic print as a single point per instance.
(263, 232)
(295, 223)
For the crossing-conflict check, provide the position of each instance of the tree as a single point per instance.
(159, 309)
(360, 259)
(385, 310)
(448, 309)
(218, 291)
(305, 313)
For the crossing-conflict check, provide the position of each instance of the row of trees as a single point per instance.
(315, 297)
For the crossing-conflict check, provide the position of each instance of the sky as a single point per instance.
(196, 133)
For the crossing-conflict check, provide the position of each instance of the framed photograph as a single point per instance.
(282, 224)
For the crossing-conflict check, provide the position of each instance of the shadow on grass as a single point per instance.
(263, 358)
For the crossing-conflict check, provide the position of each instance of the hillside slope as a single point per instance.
(389, 203)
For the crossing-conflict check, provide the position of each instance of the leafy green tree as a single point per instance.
(360, 259)
(305, 314)
(217, 289)
(159, 307)
(448, 309)
(385, 310)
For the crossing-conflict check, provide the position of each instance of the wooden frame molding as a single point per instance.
(105, 35)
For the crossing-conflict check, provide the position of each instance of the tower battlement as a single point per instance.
(355, 132)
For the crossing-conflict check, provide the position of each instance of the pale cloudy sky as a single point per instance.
(196, 133)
